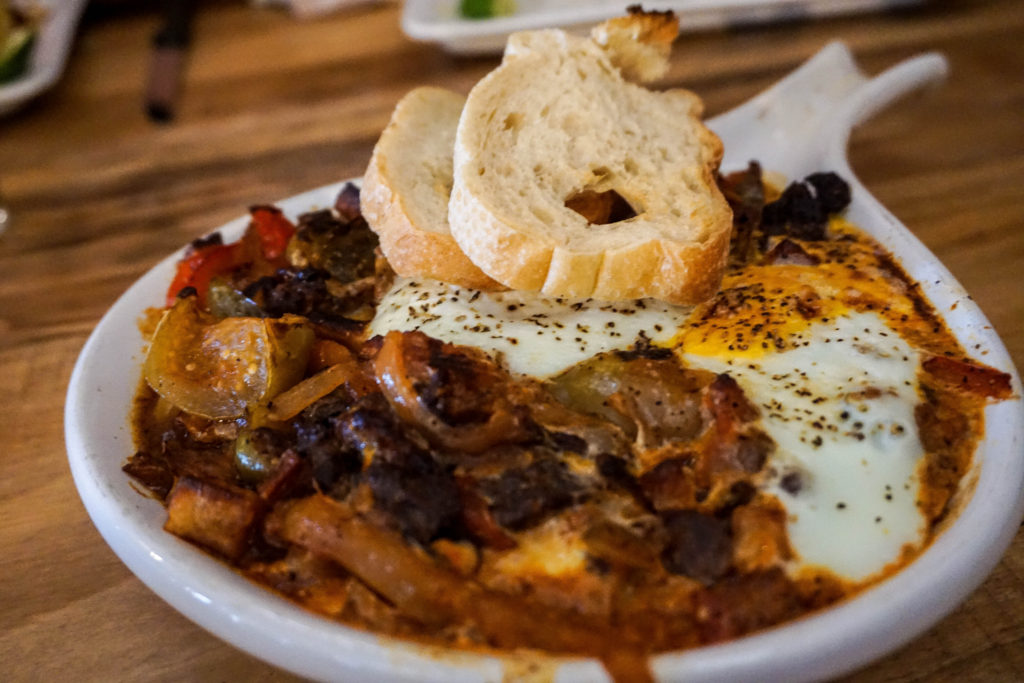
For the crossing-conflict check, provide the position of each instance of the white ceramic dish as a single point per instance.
(799, 126)
(49, 56)
(439, 21)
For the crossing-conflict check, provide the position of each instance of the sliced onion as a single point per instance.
(393, 377)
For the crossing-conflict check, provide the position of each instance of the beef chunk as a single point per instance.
(660, 398)
(418, 495)
(797, 213)
(205, 461)
(804, 207)
(414, 490)
(788, 252)
(347, 203)
(698, 546)
(520, 498)
(832, 192)
(744, 190)
(740, 493)
(564, 441)
(456, 385)
(373, 430)
(671, 484)
(302, 292)
(332, 461)
(151, 471)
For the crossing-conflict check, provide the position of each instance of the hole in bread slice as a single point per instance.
(600, 208)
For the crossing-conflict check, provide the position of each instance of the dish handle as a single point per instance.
(807, 117)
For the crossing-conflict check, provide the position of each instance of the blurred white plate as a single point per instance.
(49, 55)
(799, 126)
(439, 21)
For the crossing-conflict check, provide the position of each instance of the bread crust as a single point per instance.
(638, 43)
(675, 252)
(416, 240)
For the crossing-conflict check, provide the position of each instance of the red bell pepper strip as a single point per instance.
(273, 229)
(201, 266)
(266, 238)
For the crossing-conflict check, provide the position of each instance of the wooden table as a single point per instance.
(272, 107)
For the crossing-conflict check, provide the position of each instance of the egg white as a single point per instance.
(530, 334)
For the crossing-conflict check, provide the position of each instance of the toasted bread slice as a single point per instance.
(557, 120)
(406, 188)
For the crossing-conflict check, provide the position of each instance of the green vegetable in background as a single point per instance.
(17, 36)
(485, 9)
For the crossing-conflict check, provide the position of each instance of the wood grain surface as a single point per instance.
(272, 107)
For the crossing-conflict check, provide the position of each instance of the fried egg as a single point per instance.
(836, 393)
(840, 408)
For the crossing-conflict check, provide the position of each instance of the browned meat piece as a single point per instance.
(289, 474)
(735, 447)
(728, 405)
(416, 493)
(831, 191)
(744, 190)
(204, 430)
(711, 473)
(347, 203)
(804, 207)
(333, 464)
(698, 546)
(522, 497)
(175, 450)
(153, 472)
(220, 518)
(728, 453)
(788, 252)
(752, 450)
(207, 461)
(672, 484)
(456, 396)
(662, 399)
(478, 520)
(306, 293)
